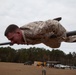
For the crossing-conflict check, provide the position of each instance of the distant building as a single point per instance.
(52, 63)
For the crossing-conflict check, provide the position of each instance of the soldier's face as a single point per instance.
(15, 37)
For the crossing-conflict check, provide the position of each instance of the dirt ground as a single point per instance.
(21, 69)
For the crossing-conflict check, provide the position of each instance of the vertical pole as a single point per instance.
(43, 71)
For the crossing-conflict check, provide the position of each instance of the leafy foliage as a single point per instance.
(8, 54)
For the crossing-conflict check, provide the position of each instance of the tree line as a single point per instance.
(8, 54)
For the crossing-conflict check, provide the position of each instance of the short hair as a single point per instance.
(10, 28)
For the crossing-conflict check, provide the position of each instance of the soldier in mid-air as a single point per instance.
(49, 32)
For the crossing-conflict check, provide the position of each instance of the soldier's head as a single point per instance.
(14, 34)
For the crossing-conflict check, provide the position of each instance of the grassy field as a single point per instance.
(21, 69)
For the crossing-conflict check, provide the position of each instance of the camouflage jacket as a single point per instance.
(50, 33)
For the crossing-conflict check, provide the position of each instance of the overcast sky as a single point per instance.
(21, 12)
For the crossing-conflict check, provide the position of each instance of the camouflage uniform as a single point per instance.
(42, 32)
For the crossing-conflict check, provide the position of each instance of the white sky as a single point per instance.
(21, 12)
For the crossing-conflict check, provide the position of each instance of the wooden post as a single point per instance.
(43, 71)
